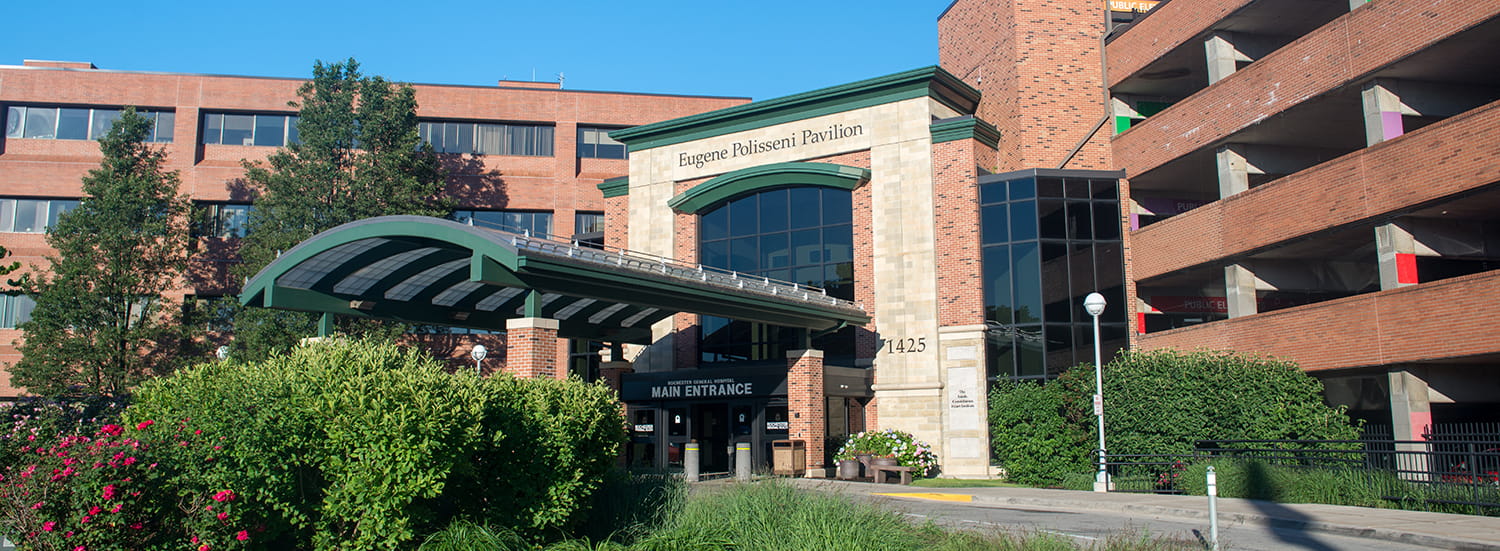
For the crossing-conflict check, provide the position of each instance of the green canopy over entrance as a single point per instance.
(432, 271)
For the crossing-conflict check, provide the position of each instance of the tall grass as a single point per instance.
(773, 516)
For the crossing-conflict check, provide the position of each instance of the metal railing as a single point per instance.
(656, 264)
(1447, 475)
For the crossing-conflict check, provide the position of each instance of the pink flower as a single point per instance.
(129, 461)
(143, 424)
(116, 508)
(242, 536)
(222, 515)
(86, 519)
(48, 526)
(38, 505)
(203, 547)
(94, 510)
(80, 548)
(226, 495)
(136, 526)
(110, 430)
(109, 492)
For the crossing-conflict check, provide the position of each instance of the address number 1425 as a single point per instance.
(904, 346)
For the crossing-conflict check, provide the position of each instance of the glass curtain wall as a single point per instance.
(1049, 241)
(797, 234)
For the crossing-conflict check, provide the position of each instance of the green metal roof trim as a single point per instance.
(931, 82)
(432, 271)
(964, 128)
(615, 187)
(749, 180)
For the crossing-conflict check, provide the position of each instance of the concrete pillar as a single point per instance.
(1382, 108)
(1239, 290)
(1222, 56)
(1396, 250)
(806, 403)
(1411, 415)
(1354, 4)
(531, 348)
(1234, 171)
(1411, 409)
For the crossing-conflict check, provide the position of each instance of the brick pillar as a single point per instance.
(531, 347)
(806, 403)
(613, 371)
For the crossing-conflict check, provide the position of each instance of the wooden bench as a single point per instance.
(881, 470)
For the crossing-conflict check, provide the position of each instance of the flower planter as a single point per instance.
(848, 469)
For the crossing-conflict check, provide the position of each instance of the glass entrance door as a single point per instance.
(711, 430)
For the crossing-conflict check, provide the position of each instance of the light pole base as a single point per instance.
(1102, 486)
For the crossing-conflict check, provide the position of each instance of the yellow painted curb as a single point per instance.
(934, 496)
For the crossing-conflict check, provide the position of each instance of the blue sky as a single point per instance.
(761, 49)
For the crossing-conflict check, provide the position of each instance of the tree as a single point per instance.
(102, 320)
(358, 155)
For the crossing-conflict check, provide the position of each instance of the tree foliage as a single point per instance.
(1156, 402)
(102, 320)
(358, 155)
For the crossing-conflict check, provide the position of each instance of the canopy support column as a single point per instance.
(806, 402)
(531, 348)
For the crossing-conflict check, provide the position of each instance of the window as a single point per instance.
(595, 143)
(224, 220)
(1046, 243)
(799, 234)
(78, 123)
(588, 222)
(531, 223)
(15, 310)
(267, 130)
(532, 140)
(32, 215)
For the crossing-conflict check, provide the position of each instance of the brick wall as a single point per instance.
(1038, 65)
(1426, 322)
(956, 213)
(1369, 183)
(1343, 52)
(531, 349)
(1170, 25)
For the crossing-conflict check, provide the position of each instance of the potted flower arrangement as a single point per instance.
(901, 447)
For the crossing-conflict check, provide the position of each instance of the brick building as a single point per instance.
(1320, 181)
(525, 156)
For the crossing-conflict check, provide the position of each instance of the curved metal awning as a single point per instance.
(432, 271)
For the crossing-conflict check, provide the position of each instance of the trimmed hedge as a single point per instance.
(365, 445)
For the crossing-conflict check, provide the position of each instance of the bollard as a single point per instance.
(690, 462)
(1213, 508)
(742, 461)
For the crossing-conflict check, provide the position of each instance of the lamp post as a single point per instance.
(1094, 305)
(478, 353)
(222, 353)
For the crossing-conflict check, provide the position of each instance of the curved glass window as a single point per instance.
(798, 234)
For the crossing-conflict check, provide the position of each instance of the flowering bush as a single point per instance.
(102, 489)
(892, 443)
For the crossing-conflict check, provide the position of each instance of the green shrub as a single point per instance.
(365, 445)
(1159, 402)
(1253, 479)
(1036, 432)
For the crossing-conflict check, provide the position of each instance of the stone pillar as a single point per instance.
(1396, 250)
(613, 371)
(1239, 290)
(806, 403)
(965, 404)
(1382, 108)
(531, 347)
(1222, 56)
(1234, 170)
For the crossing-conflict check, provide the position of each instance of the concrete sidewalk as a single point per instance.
(1437, 530)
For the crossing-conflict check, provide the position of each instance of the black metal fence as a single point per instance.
(1450, 472)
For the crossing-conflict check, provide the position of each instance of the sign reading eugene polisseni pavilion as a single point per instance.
(753, 146)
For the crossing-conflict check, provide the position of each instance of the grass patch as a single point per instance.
(773, 516)
(964, 483)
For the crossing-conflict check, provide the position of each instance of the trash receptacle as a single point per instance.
(788, 457)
